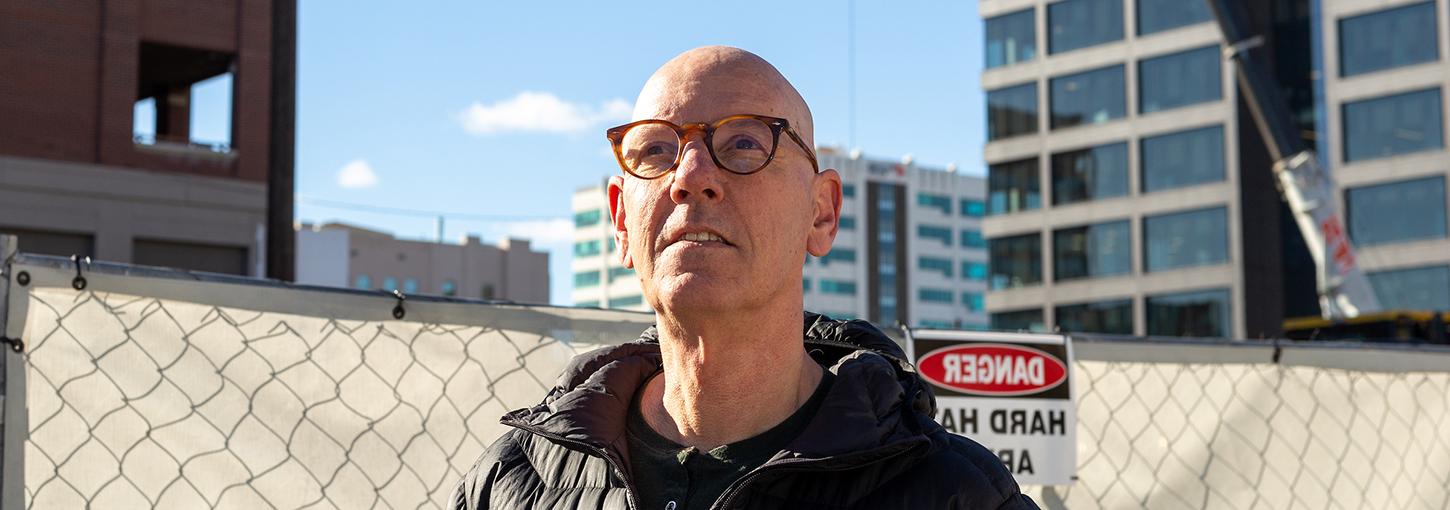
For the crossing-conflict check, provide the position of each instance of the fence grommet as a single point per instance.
(398, 311)
(15, 344)
(79, 282)
(22, 278)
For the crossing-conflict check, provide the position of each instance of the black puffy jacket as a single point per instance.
(873, 443)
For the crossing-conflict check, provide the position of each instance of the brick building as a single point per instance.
(80, 174)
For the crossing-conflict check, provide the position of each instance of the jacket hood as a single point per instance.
(878, 405)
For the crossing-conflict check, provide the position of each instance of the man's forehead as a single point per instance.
(706, 84)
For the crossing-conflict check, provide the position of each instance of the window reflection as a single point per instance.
(1388, 39)
(1201, 314)
(1091, 97)
(1396, 212)
(1097, 172)
(1186, 239)
(1180, 79)
(1015, 261)
(1182, 159)
(1392, 125)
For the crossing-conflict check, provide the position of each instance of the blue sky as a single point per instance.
(497, 109)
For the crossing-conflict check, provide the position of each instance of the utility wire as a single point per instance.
(401, 211)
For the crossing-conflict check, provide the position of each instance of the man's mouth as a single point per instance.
(701, 237)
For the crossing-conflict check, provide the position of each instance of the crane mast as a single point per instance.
(1307, 187)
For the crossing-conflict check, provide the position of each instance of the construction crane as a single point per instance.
(1347, 303)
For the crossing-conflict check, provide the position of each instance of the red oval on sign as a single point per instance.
(992, 369)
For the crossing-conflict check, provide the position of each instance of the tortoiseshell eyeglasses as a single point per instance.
(740, 144)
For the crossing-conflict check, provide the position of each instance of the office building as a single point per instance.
(1129, 191)
(341, 255)
(98, 155)
(1383, 111)
(909, 249)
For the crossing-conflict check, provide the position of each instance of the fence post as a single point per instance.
(13, 428)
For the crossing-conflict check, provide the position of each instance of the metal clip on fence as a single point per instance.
(79, 282)
(398, 311)
(15, 344)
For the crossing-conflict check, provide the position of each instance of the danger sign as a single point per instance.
(1010, 392)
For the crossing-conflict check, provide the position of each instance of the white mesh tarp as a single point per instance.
(145, 390)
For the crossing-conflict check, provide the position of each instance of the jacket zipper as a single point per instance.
(734, 489)
(597, 451)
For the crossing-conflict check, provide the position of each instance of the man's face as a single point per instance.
(766, 222)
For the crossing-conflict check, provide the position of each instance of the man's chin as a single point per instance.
(695, 293)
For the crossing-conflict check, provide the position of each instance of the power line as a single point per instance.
(401, 211)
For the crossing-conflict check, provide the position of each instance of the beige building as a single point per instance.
(343, 255)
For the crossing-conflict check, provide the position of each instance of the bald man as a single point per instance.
(732, 400)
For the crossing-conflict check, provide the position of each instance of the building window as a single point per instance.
(805, 284)
(184, 96)
(1077, 24)
(363, 281)
(1011, 38)
(1092, 97)
(1201, 313)
(940, 265)
(935, 295)
(934, 324)
(839, 255)
(586, 279)
(1013, 186)
(1016, 261)
(588, 218)
(486, 292)
(1388, 39)
(1396, 212)
(1184, 158)
(1020, 320)
(973, 239)
(50, 242)
(1185, 239)
(1392, 125)
(616, 273)
(975, 271)
(623, 301)
(448, 288)
(211, 258)
(838, 287)
(1419, 288)
(390, 283)
(588, 304)
(1110, 317)
(934, 201)
(1012, 111)
(1159, 15)
(1092, 251)
(1090, 174)
(973, 208)
(848, 190)
(1180, 79)
(973, 301)
(588, 248)
(848, 223)
(410, 286)
(942, 234)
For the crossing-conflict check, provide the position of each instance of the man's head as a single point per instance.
(767, 221)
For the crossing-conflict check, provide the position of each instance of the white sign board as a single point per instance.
(1011, 392)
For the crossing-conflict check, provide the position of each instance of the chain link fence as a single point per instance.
(1245, 431)
(163, 389)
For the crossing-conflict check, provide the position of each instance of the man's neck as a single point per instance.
(725, 382)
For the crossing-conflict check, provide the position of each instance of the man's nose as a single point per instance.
(697, 177)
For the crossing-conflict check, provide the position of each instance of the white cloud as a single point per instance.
(357, 174)
(540, 112)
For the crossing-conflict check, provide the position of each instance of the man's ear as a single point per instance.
(825, 218)
(616, 213)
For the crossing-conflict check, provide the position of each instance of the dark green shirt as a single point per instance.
(665, 472)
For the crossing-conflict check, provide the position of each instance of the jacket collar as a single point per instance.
(877, 402)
